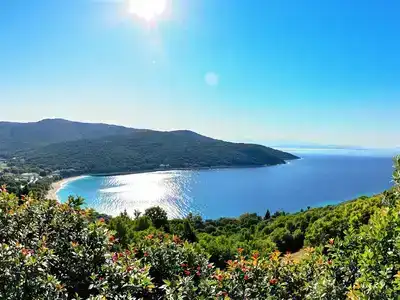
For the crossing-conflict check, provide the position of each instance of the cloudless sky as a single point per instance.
(256, 70)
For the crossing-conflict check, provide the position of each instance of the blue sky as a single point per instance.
(257, 70)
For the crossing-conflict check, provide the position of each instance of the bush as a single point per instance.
(50, 250)
(53, 251)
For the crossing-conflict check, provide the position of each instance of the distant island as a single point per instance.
(73, 148)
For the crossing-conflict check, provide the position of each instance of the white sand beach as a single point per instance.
(56, 186)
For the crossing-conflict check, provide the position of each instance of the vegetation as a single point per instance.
(61, 251)
(17, 136)
(50, 250)
(149, 151)
(38, 189)
(284, 232)
(78, 148)
(158, 216)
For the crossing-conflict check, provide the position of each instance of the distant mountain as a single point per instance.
(20, 136)
(100, 148)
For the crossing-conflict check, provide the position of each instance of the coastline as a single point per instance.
(222, 167)
(58, 185)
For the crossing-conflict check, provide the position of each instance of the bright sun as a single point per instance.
(147, 9)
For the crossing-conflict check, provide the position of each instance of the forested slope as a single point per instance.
(148, 150)
(17, 136)
(78, 148)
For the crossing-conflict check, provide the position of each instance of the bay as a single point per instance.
(318, 179)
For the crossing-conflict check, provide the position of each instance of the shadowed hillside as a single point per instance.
(17, 136)
(149, 150)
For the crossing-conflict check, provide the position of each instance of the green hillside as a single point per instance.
(77, 148)
(150, 150)
(17, 136)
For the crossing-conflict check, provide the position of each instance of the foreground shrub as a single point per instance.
(50, 250)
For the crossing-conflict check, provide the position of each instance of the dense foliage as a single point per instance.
(79, 148)
(149, 151)
(50, 250)
(38, 189)
(286, 232)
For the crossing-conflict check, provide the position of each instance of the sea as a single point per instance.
(321, 177)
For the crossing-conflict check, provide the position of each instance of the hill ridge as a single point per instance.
(82, 148)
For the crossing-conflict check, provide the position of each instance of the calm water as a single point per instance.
(316, 180)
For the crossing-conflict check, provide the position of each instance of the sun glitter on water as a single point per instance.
(148, 10)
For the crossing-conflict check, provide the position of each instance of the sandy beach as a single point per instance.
(56, 186)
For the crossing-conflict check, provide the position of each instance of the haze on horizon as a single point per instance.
(257, 70)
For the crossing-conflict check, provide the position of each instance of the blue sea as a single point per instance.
(319, 178)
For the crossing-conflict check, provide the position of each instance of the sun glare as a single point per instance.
(147, 9)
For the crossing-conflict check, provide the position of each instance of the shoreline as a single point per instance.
(171, 169)
(188, 169)
(58, 185)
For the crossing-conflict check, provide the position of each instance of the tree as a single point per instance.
(247, 220)
(122, 225)
(157, 215)
(278, 213)
(188, 232)
(142, 223)
(267, 215)
(136, 214)
(75, 202)
(196, 221)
